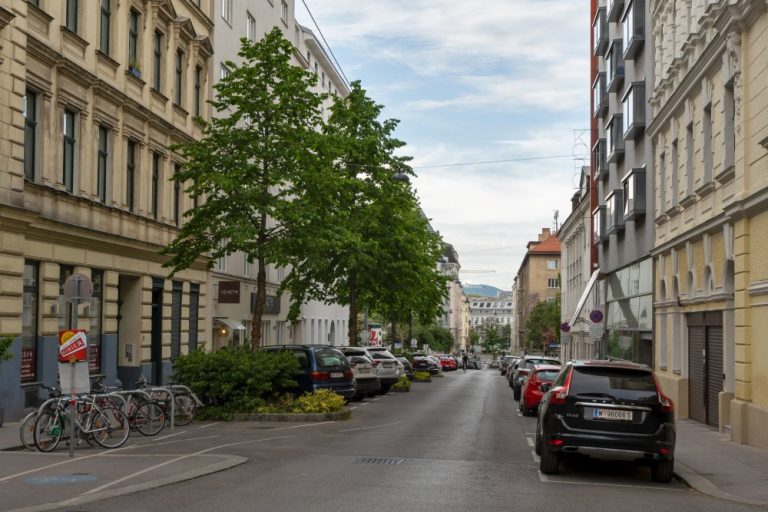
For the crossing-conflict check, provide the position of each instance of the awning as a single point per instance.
(584, 295)
(232, 324)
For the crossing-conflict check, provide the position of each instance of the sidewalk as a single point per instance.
(711, 463)
(9, 436)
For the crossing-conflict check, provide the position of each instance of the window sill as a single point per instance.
(661, 219)
(157, 95)
(673, 212)
(727, 174)
(135, 74)
(705, 189)
(105, 59)
(688, 200)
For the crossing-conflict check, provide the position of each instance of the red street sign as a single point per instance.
(73, 346)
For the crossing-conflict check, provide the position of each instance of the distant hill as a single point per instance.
(482, 290)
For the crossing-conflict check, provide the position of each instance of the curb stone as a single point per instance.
(697, 482)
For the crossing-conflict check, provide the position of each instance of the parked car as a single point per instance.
(447, 362)
(388, 367)
(366, 376)
(506, 362)
(533, 388)
(424, 364)
(321, 367)
(436, 361)
(607, 409)
(523, 367)
(408, 367)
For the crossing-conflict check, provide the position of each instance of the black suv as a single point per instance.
(611, 409)
(523, 368)
(321, 367)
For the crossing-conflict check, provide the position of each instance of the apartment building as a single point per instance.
(485, 312)
(96, 92)
(537, 279)
(710, 146)
(453, 310)
(623, 173)
(232, 286)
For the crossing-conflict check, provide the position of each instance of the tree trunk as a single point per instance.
(353, 328)
(261, 290)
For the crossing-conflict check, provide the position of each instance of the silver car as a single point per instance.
(389, 368)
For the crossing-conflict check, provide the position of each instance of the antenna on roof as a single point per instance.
(557, 215)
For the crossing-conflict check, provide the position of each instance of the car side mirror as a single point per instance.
(545, 387)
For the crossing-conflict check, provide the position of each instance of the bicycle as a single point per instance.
(107, 425)
(185, 402)
(27, 427)
(145, 415)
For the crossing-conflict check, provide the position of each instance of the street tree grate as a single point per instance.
(374, 460)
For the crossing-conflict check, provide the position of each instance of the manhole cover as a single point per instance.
(76, 478)
(374, 460)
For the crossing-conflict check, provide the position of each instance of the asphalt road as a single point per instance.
(457, 443)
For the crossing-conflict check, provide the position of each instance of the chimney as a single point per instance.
(545, 233)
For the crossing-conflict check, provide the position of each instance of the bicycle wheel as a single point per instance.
(27, 430)
(110, 427)
(49, 426)
(148, 418)
(184, 409)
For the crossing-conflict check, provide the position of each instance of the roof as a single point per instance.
(549, 246)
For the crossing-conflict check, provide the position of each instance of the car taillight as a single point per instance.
(376, 362)
(320, 376)
(348, 374)
(560, 393)
(667, 405)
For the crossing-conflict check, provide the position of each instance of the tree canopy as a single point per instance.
(543, 325)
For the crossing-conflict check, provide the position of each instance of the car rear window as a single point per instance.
(547, 375)
(329, 359)
(618, 383)
(381, 355)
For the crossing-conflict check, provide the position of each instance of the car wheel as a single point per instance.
(385, 388)
(510, 384)
(537, 443)
(550, 461)
(662, 471)
(516, 393)
(526, 410)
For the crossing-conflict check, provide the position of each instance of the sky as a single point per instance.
(503, 81)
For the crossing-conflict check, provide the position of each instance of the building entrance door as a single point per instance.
(157, 332)
(705, 366)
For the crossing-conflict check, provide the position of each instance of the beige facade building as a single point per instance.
(537, 279)
(710, 145)
(94, 93)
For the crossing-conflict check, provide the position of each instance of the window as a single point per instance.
(30, 134)
(599, 95)
(176, 293)
(130, 175)
(689, 168)
(280, 274)
(600, 155)
(66, 315)
(176, 194)
(155, 184)
(246, 266)
(179, 83)
(614, 139)
(250, 27)
(600, 32)
(95, 331)
(194, 304)
(674, 173)
(551, 282)
(68, 136)
(101, 165)
(157, 60)
(598, 227)
(133, 39)
(729, 132)
(614, 211)
(221, 263)
(614, 61)
(71, 15)
(662, 184)
(226, 10)
(634, 111)
(198, 97)
(633, 185)
(284, 11)
(106, 13)
(36, 3)
(29, 322)
(552, 264)
(634, 28)
(707, 122)
(224, 71)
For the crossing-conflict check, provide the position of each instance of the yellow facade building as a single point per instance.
(93, 94)
(710, 146)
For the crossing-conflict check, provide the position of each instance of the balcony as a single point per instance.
(615, 8)
(633, 105)
(600, 160)
(634, 194)
(614, 138)
(600, 32)
(634, 28)
(599, 95)
(614, 61)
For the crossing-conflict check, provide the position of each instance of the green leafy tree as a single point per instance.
(439, 339)
(253, 165)
(543, 325)
(371, 248)
(493, 341)
(5, 347)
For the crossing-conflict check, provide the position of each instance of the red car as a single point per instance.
(531, 394)
(448, 363)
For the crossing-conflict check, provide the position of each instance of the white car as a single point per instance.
(389, 368)
(366, 377)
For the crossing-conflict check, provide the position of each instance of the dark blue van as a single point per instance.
(322, 367)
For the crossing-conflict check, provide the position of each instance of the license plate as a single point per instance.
(337, 375)
(611, 414)
(363, 370)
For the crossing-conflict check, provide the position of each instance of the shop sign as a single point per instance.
(229, 292)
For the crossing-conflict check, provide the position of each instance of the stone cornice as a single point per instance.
(6, 17)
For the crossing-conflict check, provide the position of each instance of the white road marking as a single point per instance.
(168, 436)
(209, 425)
(301, 426)
(545, 478)
(370, 428)
(177, 459)
(530, 441)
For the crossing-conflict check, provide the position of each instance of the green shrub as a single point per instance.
(5, 347)
(235, 379)
(321, 401)
(422, 377)
(403, 384)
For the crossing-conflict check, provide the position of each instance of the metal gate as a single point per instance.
(705, 366)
